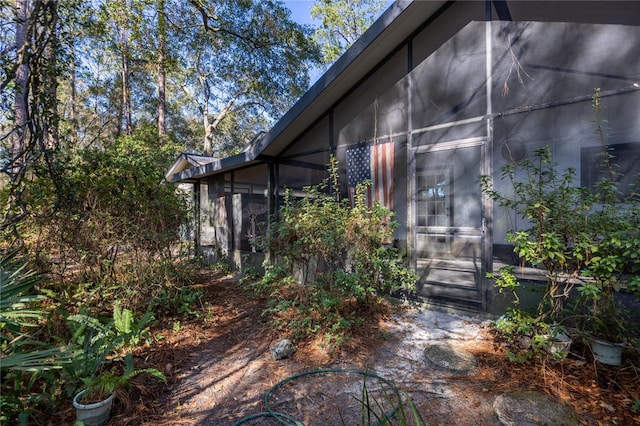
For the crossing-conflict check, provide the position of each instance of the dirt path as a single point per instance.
(220, 369)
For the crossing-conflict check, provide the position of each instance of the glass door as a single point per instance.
(448, 222)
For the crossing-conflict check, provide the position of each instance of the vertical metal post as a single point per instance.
(487, 165)
(197, 222)
(411, 163)
(232, 227)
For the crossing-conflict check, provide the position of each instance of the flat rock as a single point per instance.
(531, 409)
(451, 358)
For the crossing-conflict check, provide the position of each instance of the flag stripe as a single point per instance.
(375, 163)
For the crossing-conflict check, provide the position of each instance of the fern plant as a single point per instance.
(99, 343)
(99, 387)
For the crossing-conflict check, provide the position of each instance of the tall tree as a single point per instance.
(211, 73)
(343, 22)
(258, 67)
(30, 78)
(162, 41)
(21, 78)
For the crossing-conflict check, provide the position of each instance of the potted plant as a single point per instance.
(610, 264)
(604, 327)
(93, 403)
(604, 322)
(100, 344)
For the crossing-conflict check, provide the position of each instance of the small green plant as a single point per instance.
(222, 266)
(26, 362)
(96, 344)
(327, 258)
(527, 337)
(249, 275)
(186, 301)
(506, 281)
(99, 387)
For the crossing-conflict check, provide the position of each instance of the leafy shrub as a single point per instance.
(113, 223)
(26, 362)
(585, 238)
(96, 342)
(327, 259)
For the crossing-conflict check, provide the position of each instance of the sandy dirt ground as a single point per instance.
(220, 369)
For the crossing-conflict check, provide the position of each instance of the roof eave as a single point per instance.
(213, 167)
(393, 27)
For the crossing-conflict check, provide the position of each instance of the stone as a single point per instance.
(531, 409)
(524, 342)
(282, 350)
(450, 358)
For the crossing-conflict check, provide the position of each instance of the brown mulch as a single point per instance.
(219, 368)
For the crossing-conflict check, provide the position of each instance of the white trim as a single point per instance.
(443, 146)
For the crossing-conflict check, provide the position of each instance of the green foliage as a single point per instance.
(99, 387)
(117, 226)
(585, 238)
(526, 336)
(342, 23)
(181, 301)
(96, 343)
(506, 281)
(556, 210)
(344, 248)
(328, 260)
(24, 359)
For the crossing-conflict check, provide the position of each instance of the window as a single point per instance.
(625, 164)
(433, 199)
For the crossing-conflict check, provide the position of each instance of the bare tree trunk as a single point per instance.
(52, 136)
(21, 94)
(208, 131)
(162, 102)
(126, 98)
(210, 128)
(73, 96)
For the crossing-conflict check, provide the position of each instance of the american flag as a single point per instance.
(374, 163)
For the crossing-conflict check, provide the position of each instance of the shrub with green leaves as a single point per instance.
(113, 224)
(328, 258)
(584, 238)
(97, 342)
(556, 209)
(26, 362)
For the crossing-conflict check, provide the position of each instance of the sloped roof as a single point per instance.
(188, 161)
(393, 26)
(397, 24)
(187, 164)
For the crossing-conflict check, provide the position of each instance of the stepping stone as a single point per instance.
(451, 358)
(532, 409)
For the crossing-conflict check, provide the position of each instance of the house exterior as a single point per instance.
(436, 94)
